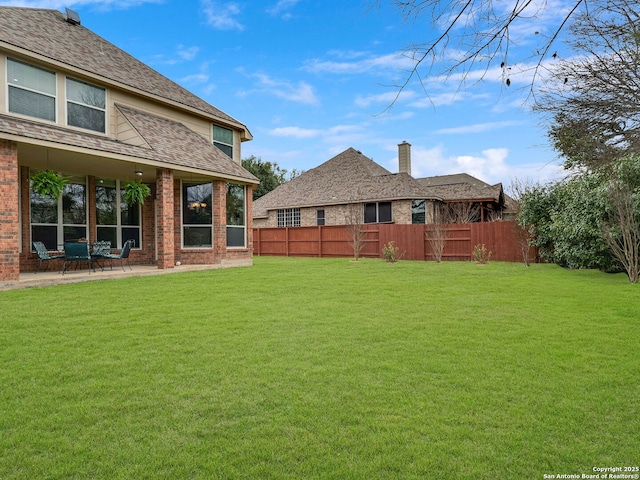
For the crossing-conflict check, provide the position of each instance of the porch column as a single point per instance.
(9, 213)
(164, 218)
(219, 221)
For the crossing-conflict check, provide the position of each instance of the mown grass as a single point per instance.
(310, 368)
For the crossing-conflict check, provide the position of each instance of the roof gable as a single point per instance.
(46, 34)
(346, 178)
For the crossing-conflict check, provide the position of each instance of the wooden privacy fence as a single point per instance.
(334, 241)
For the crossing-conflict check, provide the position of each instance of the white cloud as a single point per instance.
(376, 64)
(295, 132)
(187, 53)
(491, 165)
(387, 98)
(195, 78)
(300, 92)
(222, 16)
(282, 7)
(478, 127)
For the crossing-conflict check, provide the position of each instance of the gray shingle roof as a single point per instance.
(46, 33)
(170, 142)
(352, 177)
(346, 178)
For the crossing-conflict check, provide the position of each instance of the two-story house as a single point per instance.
(75, 104)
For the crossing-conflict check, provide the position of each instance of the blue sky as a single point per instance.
(311, 78)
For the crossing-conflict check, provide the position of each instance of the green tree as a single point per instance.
(592, 99)
(270, 174)
(589, 221)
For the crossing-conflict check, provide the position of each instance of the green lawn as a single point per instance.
(316, 368)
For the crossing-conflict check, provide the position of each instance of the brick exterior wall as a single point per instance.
(9, 212)
(336, 215)
(163, 207)
(165, 195)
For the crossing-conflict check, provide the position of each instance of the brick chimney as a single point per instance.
(404, 157)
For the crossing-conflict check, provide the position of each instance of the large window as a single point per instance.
(117, 221)
(418, 211)
(55, 221)
(197, 215)
(236, 216)
(32, 90)
(86, 106)
(223, 139)
(289, 217)
(377, 212)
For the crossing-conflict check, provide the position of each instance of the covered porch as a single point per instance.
(98, 168)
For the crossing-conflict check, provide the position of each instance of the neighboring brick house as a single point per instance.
(351, 186)
(75, 104)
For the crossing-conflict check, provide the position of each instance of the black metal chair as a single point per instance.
(99, 251)
(76, 252)
(43, 254)
(122, 256)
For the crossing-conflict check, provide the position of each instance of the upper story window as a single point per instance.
(32, 90)
(223, 139)
(86, 106)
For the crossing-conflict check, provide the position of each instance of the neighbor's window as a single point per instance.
(223, 139)
(418, 211)
(377, 212)
(86, 106)
(117, 221)
(55, 221)
(319, 217)
(236, 219)
(197, 215)
(289, 217)
(32, 90)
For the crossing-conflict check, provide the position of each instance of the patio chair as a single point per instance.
(43, 254)
(76, 252)
(99, 250)
(122, 256)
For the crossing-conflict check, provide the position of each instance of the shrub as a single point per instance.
(481, 255)
(391, 252)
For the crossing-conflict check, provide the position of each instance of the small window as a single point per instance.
(289, 217)
(223, 139)
(319, 217)
(86, 106)
(378, 212)
(32, 91)
(418, 211)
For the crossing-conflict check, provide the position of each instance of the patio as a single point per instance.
(53, 276)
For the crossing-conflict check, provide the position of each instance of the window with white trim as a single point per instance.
(223, 139)
(86, 106)
(117, 221)
(377, 212)
(58, 220)
(197, 215)
(236, 215)
(289, 217)
(32, 90)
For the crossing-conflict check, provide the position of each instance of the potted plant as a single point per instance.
(48, 182)
(135, 192)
